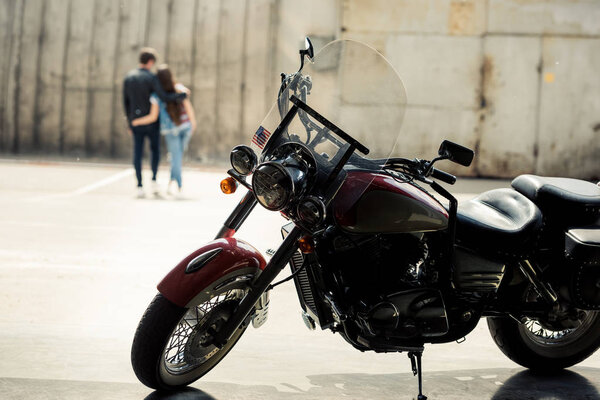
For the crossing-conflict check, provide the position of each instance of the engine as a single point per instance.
(389, 284)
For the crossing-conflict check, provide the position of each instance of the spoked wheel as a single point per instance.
(537, 346)
(190, 343)
(549, 338)
(173, 345)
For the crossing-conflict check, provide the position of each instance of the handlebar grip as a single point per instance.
(443, 176)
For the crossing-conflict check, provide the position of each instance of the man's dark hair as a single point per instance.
(147, 54)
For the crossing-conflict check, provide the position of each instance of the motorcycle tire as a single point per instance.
(521, 344)
(167, 352)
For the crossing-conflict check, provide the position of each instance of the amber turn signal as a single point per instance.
(229, 185)
(306, 244)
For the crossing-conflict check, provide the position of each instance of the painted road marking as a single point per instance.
(103, 182)
(86, 189)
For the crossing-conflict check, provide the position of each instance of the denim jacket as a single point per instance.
(166, 123)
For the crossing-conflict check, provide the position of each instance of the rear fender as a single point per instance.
(208, 265)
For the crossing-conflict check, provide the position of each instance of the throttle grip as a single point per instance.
(443, 176)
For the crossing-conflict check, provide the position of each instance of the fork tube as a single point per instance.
(273, 268)
(237, 216)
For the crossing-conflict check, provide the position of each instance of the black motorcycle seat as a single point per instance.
(577, 200)
(502, 220)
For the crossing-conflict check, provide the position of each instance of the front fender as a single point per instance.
(208, 265)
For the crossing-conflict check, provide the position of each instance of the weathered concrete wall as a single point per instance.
(515, 79)
(64, 60)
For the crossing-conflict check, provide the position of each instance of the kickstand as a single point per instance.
(415, 363)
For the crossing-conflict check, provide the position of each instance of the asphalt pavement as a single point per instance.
(80, 258)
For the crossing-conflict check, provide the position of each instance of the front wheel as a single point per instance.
(536, 347)
(172, 345)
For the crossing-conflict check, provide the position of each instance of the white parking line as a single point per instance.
(86, 189)
(106, 181)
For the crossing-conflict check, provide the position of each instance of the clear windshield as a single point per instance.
(352, 88)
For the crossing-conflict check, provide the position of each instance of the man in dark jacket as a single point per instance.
(138, 85)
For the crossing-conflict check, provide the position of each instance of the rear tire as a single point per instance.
(535, 351)
(168, 350)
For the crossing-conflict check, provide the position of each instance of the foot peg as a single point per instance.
(415, 363)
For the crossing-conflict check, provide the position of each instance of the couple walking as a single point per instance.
(155, 105)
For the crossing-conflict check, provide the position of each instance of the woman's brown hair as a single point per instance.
(167, 81)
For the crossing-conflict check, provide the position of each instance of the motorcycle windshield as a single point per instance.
(356, 90)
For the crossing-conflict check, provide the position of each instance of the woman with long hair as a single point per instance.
(177, 122)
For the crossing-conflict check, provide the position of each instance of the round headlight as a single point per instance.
(243, 159)
(272, 185)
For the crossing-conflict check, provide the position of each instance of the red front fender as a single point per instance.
(180, 287)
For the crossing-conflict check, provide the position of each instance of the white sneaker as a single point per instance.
(140, 193)
(170, 188)
(179, 195)
(155, 188)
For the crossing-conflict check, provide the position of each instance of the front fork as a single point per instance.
(238, 216)
(272, 269)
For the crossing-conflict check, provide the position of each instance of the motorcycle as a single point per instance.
(374, 255)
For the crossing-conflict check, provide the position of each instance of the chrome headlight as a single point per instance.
(278, 182)
(273, 186)
(243, 159)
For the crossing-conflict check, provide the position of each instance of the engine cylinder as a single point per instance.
(408, 314)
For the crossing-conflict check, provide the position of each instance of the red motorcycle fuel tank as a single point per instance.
(386, 206)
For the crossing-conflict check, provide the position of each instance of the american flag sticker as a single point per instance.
(261, 137)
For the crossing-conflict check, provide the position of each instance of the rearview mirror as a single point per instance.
(456, 153)
(308, 51)
(308, 47)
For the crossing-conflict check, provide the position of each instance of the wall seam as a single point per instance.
(17, 92)
(199, 143)
(90, 94)
(194, 45)
(63, 81)
(168, 32)
(218, 69)
(148, 16)
(113, 115)
(243, 70)
(6, 79)
(483, 78)
(536, 140)
(39, 89)
(273, 42)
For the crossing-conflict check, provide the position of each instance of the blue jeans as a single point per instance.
(139, 134)
(176, 145)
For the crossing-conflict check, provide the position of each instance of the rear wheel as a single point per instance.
(538, 347)
(172, 345)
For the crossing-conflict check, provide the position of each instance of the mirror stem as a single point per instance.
(430, 164)
(302, 54)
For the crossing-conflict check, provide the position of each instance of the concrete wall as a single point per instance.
(64, 60)
(517, 80)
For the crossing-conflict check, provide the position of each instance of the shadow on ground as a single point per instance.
(495, 384)
(187, 394)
